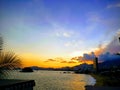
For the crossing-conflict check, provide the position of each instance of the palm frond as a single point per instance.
(8, 61)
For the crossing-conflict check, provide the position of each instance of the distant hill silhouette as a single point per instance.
(110, 64)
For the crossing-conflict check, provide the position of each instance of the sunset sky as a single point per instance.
(49, 33)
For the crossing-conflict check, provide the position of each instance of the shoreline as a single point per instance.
(91, 80)
(104, 83)
(102, 80)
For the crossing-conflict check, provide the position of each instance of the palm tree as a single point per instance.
(8, 61)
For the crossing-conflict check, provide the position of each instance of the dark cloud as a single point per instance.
(107, 53)
(60, 60)
(68, 62)
(72, 62)
(50, 60)
(63, 62)
(102, 57)
(76, 58)
(103, 53)
(88, 56)
(108, 56)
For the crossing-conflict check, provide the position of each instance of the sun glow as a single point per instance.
(46, 29)
(76, 53)
(34, 60)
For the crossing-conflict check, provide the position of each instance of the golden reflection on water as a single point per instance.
(54, 80)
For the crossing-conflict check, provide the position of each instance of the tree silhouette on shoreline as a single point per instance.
(8, 61)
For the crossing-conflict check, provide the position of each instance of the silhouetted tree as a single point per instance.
(8, 61)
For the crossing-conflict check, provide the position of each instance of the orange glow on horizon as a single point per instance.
(53, 64)
(87, 61)
(34, 60)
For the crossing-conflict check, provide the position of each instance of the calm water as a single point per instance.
(55, 80)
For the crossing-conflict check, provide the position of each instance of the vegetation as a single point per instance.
(103, 80)
(8, 61)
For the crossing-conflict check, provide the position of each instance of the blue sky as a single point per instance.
(58, 28)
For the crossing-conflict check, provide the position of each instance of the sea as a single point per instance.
(55, 80)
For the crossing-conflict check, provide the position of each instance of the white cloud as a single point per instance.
(63, 33)
(114, 5)
(74, 43)
(77, 53)
(58, 34)
(67, 44)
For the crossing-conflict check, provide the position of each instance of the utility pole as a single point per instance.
(95, 64)
(1, 43)
(119, 39)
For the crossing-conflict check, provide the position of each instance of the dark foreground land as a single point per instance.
(106, 81)
(101, 88)
(12, 84)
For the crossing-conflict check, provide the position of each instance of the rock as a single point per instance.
(27, 69)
